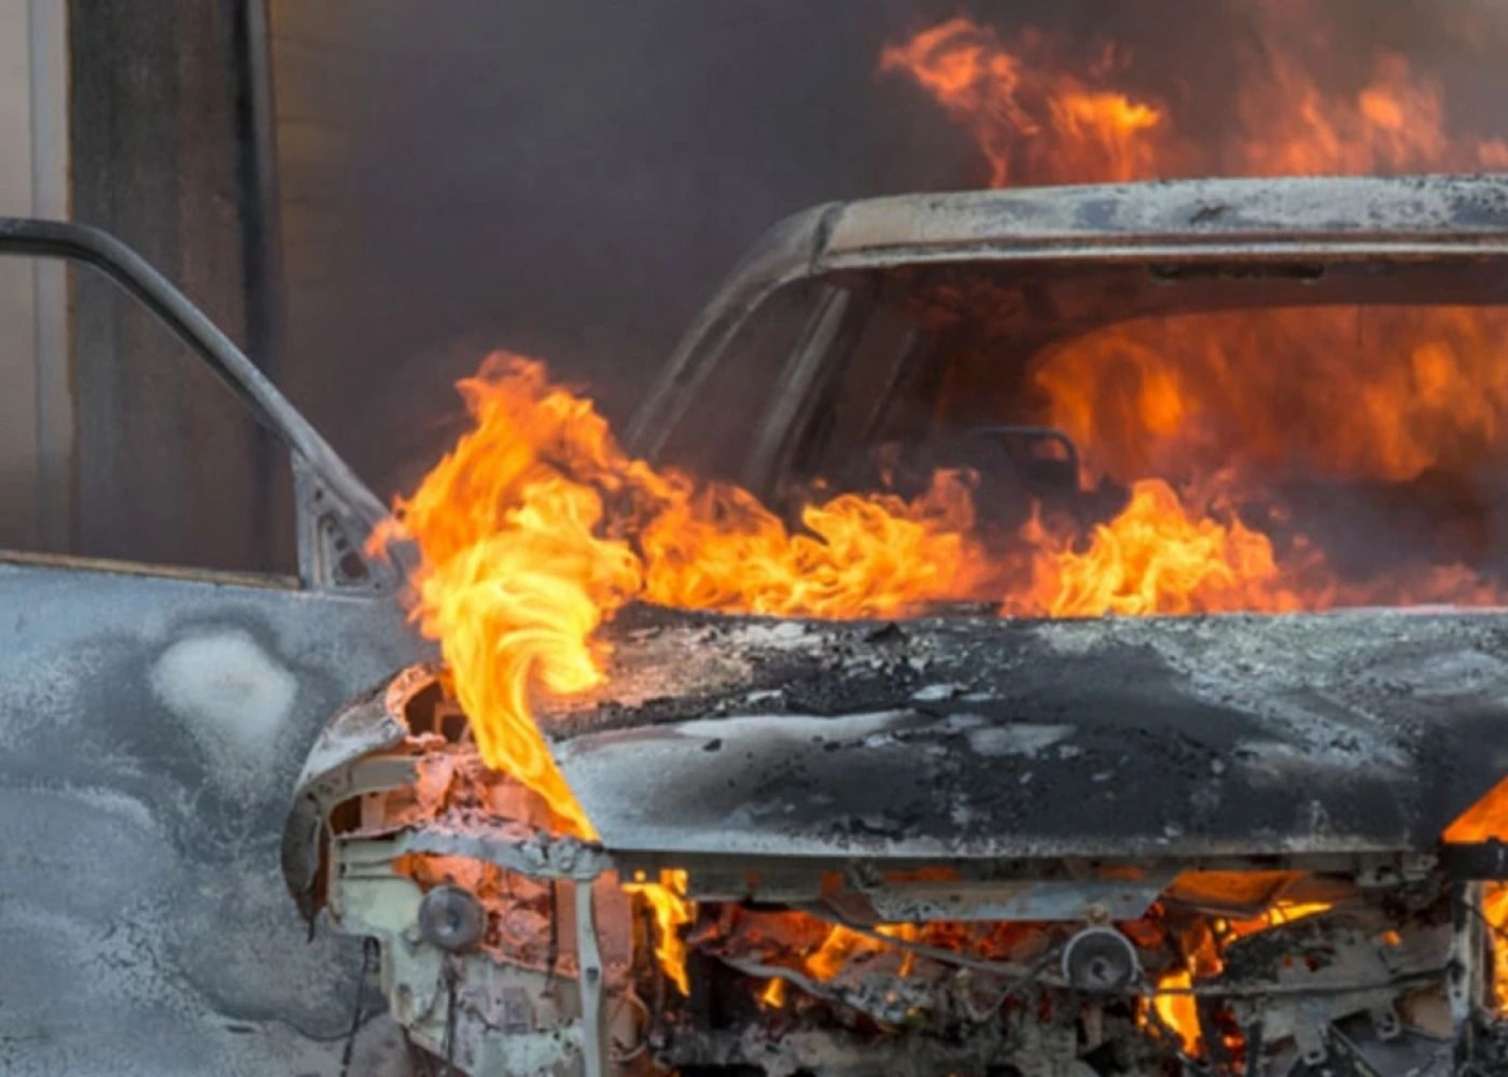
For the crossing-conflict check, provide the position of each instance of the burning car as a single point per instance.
(1079, 650)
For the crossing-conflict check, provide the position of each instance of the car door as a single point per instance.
(152, 722)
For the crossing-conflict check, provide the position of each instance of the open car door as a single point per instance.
(153, 721)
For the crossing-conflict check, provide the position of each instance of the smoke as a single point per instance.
(570, 180)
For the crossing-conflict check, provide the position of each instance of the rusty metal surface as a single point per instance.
(1347, 732)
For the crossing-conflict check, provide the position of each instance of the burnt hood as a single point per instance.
(973, 736)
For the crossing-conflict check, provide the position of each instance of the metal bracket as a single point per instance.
(512, 846)
(1464, 987)
(331, 539)
(589, 961)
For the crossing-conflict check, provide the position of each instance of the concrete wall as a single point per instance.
(36, 433)
(114, 441)
(171, 470)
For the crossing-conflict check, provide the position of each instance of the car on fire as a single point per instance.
(1260, 843)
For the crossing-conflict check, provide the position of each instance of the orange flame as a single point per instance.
(1486, 820)
(536, 528)
(865, 556)
(837, 949)
(522, 532)
(672, 911)
(515, 575)
(1025, 118)
(1393, 124)
(842, 944)
(1034, 120)
(1375, 393)
(1495, 913)
(1155, 558)
(773, 995)
(1246, 397)
(1178, 1010)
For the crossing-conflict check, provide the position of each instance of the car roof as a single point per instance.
(1273, 218)
(1319, 210)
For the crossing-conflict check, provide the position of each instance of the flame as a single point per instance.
(1035, 119)
(1495, 913)
(1025, 118)
(1288, 912)
(773, 995)
(840, 946)
(1202, 943)
(1170, 397)
(515, 577)
(1242, 399)
(537, 528)
(672, 911)
(1382, 394)
(1156, 558)
(1177, 1010)
(1278, 915)
(1394, 123)
(520, 531)
(864, 556)
(1485, 820)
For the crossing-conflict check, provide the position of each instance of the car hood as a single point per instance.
(975, 736)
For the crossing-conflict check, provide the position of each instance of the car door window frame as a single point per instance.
(334, 510)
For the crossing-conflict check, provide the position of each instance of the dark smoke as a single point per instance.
(570, 179)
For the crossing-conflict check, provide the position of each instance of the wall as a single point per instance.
(35, 404)
(171, 470)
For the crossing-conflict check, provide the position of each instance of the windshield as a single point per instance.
(1135, 441)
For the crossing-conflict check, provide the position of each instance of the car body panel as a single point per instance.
(1358, 731)
(153, 720)
(152, 729)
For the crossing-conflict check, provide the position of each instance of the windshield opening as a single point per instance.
(1174, 441)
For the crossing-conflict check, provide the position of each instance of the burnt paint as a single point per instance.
(1242, 735)
(144, 921)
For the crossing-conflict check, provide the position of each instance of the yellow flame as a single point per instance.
(1177, 1009)
(1495, 912)
(672, 911)
(773, 995)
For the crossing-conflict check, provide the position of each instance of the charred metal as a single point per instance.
(959, 842)
(1046, 911)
